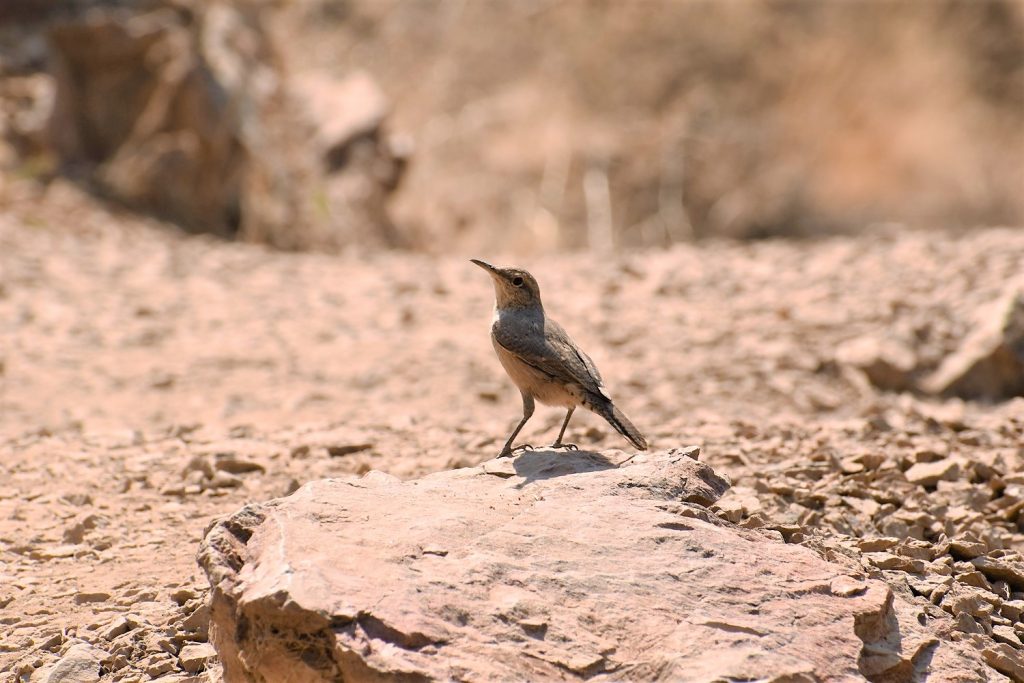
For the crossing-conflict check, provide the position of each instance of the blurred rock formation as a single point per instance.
(184, 110)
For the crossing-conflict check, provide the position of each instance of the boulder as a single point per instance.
(164, 110)
(183, 109)
(551, 566)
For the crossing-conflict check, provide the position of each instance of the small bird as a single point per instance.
(543, 360)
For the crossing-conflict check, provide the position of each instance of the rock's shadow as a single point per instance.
(549, 463)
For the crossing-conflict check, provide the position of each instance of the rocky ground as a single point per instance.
(152, 383)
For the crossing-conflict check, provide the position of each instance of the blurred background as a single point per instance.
(521, 126)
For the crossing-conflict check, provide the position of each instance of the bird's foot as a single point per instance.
(509, 452)
(566, 446)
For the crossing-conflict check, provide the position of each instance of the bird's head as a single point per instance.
(513, 287)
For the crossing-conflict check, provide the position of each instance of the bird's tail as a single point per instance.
(617, 419)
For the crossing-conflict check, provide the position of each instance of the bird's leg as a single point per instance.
(558, 442)
(527, 412)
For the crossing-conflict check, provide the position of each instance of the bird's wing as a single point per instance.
(557, 356)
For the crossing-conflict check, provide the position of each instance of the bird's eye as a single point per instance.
(517, 281)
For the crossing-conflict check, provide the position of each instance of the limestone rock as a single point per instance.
(552, 566)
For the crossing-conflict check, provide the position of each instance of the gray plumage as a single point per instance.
(543, 360)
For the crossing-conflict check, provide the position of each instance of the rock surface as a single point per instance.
(144, 365)
(551, 566)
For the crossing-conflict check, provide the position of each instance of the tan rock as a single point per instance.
(157, 664)
(890, 561)
(1013, 609)
(967, 548)
(1005, 659)
(1006, 634)
(195, 657)
(80, 664)
(930, 473)
(1008, 569)
(990, 361)
(546, 567)
(877, 545)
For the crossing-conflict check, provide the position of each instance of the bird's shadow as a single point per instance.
(550, 463)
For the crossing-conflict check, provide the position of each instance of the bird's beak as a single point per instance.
(486, 266)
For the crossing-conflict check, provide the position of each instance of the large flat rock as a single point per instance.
(554, 566)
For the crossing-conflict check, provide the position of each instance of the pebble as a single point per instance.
(80, 664)
(195, 656)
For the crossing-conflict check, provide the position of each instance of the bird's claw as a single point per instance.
(566, 446)
(509, 452)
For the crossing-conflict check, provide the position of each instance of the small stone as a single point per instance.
(53, 643)
(183, 595)
(1005, 660)
(198, 623)
(1010, 570)
(176, 489)
(235, 464)
(927, 584)
(119, 626)
(877, 545)
(730, 510)
(55, 552)
(80, 664)
(966, 548)
(973, 601)
(225, 480)
(347, 449)
(930, 473)
(890, 561)
(75, 533)
(157, 664)
(1006, 634)
(77, 499)
(847, 586)
(965, 623)
(1012, 609)
(86, 597)
(194, 657)
(976, 579)
(918, 550)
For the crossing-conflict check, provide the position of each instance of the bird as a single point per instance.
(543, 361)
